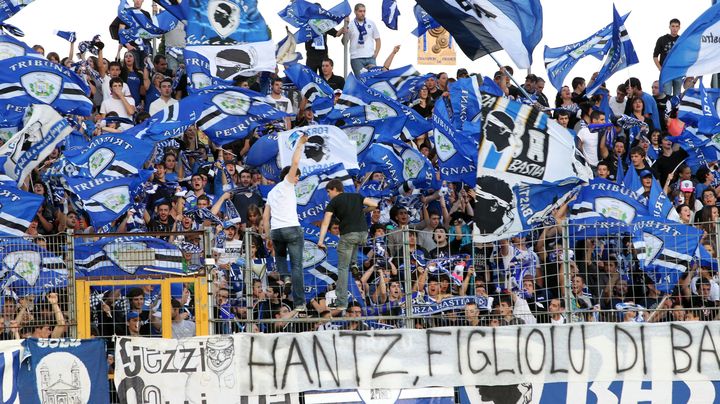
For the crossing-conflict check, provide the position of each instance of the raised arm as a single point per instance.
(299, 148)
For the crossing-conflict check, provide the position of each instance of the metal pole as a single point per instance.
(247, 278)
(72, 309)
(345, 40)
(566, 268)
(209, 262)
(408, 277)
(717, 239)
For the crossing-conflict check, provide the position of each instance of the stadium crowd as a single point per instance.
(452, 280)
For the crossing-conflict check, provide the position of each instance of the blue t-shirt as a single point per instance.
(134, 81)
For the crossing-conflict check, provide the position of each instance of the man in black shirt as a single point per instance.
(335, 82)
(317, 49)
(662, 47)
(348, 209)
(670, 157)
(163, 221)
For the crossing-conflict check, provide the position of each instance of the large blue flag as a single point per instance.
(400, 163)
(224, 114)
(665, 249)
(44, 130)
(316, 90)
(28, 269)
(700, 149)
(659, 205)
(424, 20)
(359, 104)
(559, 61)
(112, 155)
(197, 68)
(11, 47)
(312, 198)
(390, 13)
(535, 202)
(709, 122)
(597, 225)
(8, 8)
(27, 80)
(633, 182)
(466, 97)
(402, 84)
(456, 149)
(312, 20)
(515, 26)
(140, 28)
(17, 209)
(120, 256)
(695, 52)
(609, 200)
(106, 198)
(621, 54)
(77, 368)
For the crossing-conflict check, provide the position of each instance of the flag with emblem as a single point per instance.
(43, 130)
(316, 90)
(197, 68)
(112, 155)
(311, 19)
(231, 34)
(455, 148)
(122, 256)
(224, 114)
(465, 97)
(608, 199)
(28, 269)
(106, 198)
(17, 209)
(326, 146)
(402, 84)
(401, 164)
(518, 144)
(665, 249)
(312, 198)
(11, 47)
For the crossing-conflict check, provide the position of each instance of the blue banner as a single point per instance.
(224, 21)
(313, 20)
(17, 209)
(30, 269)
(402, 84)
(112, 155)
(118, 256)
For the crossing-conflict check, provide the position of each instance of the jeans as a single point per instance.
(673, 87)
(347, 249)
(359, 63)
(290, 241)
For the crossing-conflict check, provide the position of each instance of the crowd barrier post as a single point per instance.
(717, 238)
(248, 279)
(71, 299)
(567, 279)
(408, 277)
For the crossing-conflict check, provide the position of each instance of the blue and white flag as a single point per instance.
(559, 61)
(400, 163)
(112, 155)
(316, 90)
(695, 53)
(609, 200)
(27, 80)
(481, 27)
(17, 209)
(224, 114)
(312, 198)
(173, 7)
(67, 35)
(8, 8)
(593, 226)
(106, 198)
(456, 149)
(535, 202)
(11, 47)
(424, 20)
(700, 149)
(313, 20)
(659, 205)
(197, 68)
(327, 145)
(44, 129)
(709, 122)
(390, 13)
(360, 104)
(698, 103)
(119, 256)
(632, 181)
(139, 28)
(319, 266)
(402, 84)
(286, 52)
(77, 368)
(465, 96)
(620, 55)
(665, 249)
(28, 269)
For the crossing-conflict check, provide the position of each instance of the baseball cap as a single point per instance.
(337, 91)
(686, 186)
(133, 314)
(645, 173)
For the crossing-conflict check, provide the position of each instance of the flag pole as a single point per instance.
(345, 40)
(521, 88)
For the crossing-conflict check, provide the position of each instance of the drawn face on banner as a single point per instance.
(220, 353)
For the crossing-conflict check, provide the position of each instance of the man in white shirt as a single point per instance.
(165, 99)
(364, 40)
(281, 220)
(280, 101)
(617, 103)
(108, 72)
(119, 102)
(592, 144)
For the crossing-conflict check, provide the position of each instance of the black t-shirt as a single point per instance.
(663, 46)
(156, 225)
(348, 208)
(336, 82)
(666, 164)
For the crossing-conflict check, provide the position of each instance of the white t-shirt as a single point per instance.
(618, 108)
(283, 103)
(367, 49)
(114, 104)
(283, 205)
(107, 94)
(589, 145)
(160, 104)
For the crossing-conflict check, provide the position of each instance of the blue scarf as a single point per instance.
(361, 32)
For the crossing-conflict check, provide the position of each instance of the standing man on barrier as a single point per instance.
(348, 208)
(281, 221)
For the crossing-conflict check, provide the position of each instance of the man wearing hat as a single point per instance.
(132, 325)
